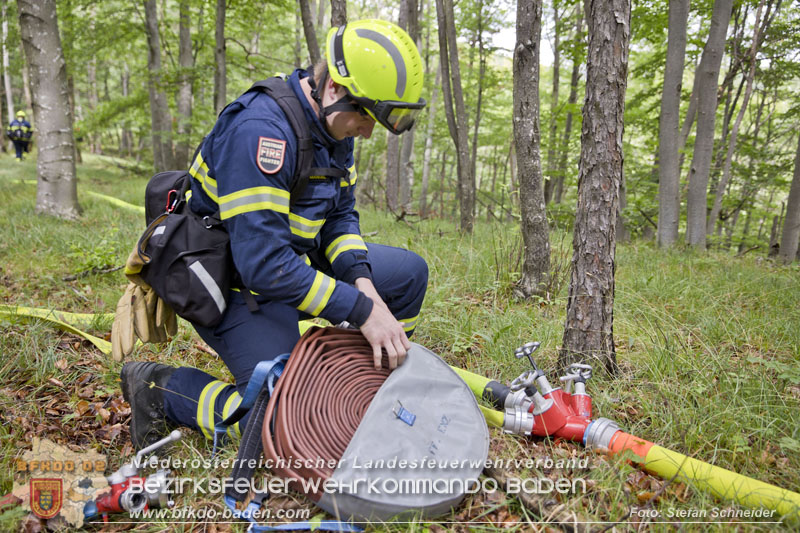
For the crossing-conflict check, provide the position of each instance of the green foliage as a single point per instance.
(707, 342)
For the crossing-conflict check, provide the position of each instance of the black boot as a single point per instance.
(142, 386)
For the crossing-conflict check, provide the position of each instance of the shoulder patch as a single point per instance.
(270, 154)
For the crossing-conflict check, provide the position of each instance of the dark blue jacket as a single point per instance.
(19, 130)
(245, 169)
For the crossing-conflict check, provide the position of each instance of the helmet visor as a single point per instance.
(395, 116)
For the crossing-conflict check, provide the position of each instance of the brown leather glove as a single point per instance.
(140, 313)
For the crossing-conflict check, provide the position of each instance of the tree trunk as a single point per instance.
(456, 122)
(338, 12)
(220, 60)
(298, 58)
(184, 95)
(91, 73)
(6, 73)
(726, 169)
(57, 192)
(478, 108)
(791, 225)
(308, 28)
(550, 178)
(392, 171)
(77, 138)
(708, 73)
(533, 219)
(408, 20)
(589, 332)
(126, 143)
(93, 96)
(571, 101)
(9, 146)
(159, 110)
(669, 206)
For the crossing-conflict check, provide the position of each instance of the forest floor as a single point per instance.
(708, 345)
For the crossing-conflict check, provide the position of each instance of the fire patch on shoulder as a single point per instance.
(270, 154)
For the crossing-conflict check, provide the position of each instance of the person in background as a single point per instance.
(20, 132)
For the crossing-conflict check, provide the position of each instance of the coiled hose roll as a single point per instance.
(318, 403)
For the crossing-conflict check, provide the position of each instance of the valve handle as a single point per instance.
(172, 437)
(525, 380)
(526, 350)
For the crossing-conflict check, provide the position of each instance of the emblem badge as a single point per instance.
(270, 154)
(46, 497)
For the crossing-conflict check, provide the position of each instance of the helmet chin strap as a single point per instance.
(342, 104)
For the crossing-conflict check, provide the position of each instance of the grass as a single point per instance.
(708, 345)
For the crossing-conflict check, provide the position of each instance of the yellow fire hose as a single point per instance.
(668, 464)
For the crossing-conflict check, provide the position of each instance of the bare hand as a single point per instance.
(382, 330)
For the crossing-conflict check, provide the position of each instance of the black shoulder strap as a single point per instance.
(286, 99)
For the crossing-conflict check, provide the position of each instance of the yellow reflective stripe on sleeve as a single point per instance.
(305, 259)
(199, 171)
(253, 199)
(410, 323)
(303, 227)
(230, 406)
(317, 297)
(205, 407)
(344, 243)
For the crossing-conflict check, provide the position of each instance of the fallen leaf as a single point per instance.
(62, 364)
(81, 407)
(645, 496)
(86, 392)
(56, 382)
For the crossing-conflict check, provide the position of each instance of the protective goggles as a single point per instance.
(395, 116)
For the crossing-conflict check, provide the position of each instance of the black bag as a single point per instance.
(187, 257)
(188, 263)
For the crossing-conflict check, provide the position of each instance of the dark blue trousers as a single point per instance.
(243, 339)
(20, 147)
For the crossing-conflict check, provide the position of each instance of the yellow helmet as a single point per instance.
(21, 113)
(380, 68)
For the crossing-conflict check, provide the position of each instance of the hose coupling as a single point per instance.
(541, 404)
(518, 422)
(156, 487)
(518, 399)
(599, 432)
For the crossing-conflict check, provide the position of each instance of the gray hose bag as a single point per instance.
(419, 449)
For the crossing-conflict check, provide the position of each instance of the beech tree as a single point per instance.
(669, 207)
(707, 81)
(220, 60)
(791, 224)
(161, 118)
(56, 191)
(533, 220)
(456, 119)
(589, 332)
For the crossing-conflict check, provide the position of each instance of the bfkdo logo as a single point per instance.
(46, 497)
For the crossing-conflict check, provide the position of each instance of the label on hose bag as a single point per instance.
(188, 263)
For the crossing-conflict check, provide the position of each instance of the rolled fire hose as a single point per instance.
(324, 391)
(667, 464)
(399, 443)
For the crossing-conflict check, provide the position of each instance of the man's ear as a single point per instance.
(337, 89)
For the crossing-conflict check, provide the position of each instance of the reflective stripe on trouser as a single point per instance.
(244, 338)
(201, 401)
